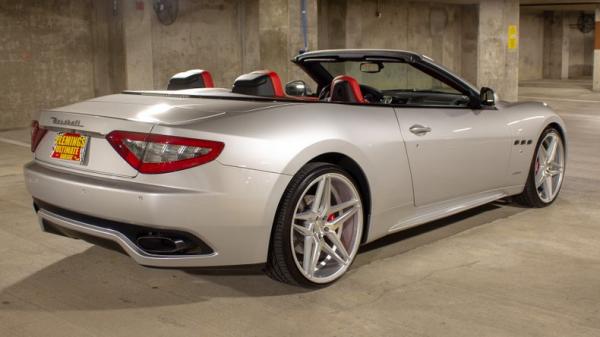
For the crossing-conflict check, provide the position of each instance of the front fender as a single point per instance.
(527, 121)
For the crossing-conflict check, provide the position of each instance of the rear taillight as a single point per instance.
(153, 154)
(37, 133)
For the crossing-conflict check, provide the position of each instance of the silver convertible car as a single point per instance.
(290, 177)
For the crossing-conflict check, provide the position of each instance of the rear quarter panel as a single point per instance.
(282, 139)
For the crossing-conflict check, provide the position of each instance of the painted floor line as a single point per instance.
(560, 99)
(14, 142)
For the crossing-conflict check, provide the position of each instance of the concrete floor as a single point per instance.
(498, 270)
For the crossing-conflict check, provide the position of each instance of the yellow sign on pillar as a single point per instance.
(513, 37)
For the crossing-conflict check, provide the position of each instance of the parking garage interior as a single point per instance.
(497, 270)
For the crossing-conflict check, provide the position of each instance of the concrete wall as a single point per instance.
(108, 45)
(445, 32)
(596, 70)
(53, 53)
(252, 35)
(498, 66)
(57, 52)
(553, 44)
(226, 37)
(470, 52)
(552, 41)
(137, 44)
(531, 55)
(332, 24)
(281, 37)
(581, 49)
(46, 57)
(219, 36)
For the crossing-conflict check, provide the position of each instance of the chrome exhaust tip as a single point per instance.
(158, 244)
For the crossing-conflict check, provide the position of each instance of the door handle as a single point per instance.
(419, 130)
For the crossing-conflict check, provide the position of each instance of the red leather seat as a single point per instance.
(346, 89)
(259, 83)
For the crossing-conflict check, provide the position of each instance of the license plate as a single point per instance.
(70, 146)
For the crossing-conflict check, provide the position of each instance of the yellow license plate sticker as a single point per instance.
(69, 146)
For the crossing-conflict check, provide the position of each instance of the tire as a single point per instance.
(304, 225)
(533, 195)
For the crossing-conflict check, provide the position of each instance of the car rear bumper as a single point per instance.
(229, 213)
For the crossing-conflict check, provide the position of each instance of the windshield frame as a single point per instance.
(310, 63)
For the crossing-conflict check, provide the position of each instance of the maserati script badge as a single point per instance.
(68, 122)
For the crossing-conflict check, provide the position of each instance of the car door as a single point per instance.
(453, 151)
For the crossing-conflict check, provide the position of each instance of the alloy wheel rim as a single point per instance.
(549, 167)
(326, 228)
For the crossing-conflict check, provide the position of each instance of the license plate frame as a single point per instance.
(70, 147)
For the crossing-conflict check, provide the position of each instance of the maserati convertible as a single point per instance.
(290, 177)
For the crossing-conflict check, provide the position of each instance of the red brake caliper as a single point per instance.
(330, 217)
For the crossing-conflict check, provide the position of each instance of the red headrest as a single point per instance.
(346, 89)
(259, 83)
(207, 77)
(195, 78)
(275, 81)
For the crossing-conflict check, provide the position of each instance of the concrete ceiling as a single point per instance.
(560, 2)
(559, 5)
(540, 5)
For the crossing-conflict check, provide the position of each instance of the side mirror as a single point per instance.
(487, 97)
(296, 88)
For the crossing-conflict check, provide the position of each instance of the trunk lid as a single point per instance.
(98, 155)
(163, 108)
(95, 118)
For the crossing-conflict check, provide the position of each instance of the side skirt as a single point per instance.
(440, 210)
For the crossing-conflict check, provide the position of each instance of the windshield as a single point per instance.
(391, 76)
(393, 82)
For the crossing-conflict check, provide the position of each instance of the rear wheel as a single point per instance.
(546, 172)
(318, 227)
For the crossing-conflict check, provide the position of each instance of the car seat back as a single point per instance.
(346, 89)
(264, 83)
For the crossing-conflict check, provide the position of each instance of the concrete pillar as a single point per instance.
(280, 34)
(565, 49)
(273, 30)
(249, 37)
(498, 56)
(556, 45)
(597, 52)
(100, 39)
(332, 24)
(107, 41)
(469, 27)
(137, 41)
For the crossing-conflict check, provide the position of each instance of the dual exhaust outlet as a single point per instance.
(162, 245)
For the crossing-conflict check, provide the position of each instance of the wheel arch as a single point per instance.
(558, 125)
(277, 262)
(560, 130)
(529, 196)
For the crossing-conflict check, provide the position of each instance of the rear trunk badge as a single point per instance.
(68, 122)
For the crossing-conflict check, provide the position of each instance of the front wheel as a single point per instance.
(318, 227)
(546, 172)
